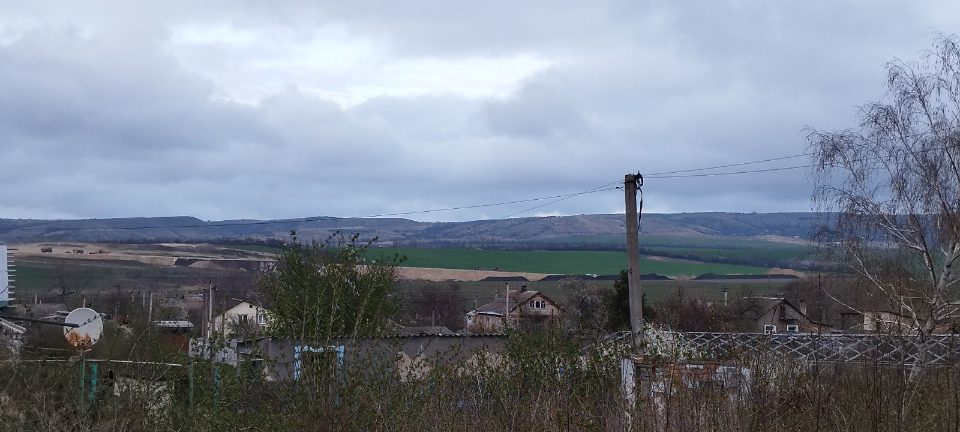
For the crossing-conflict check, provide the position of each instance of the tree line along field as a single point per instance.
(655, 291)
(556, 262)
(43, 278)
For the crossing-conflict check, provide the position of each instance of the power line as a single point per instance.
(588, 191)
(661, 174)
(657, 176)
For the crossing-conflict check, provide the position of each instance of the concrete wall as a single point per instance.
(408, 357)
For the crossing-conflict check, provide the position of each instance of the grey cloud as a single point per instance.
(99, 117)
(542, 107)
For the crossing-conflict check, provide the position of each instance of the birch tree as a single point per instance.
(892, 187)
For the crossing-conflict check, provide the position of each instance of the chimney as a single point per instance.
(803, 307)
(523, 288)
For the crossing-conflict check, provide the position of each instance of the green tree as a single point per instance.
(333, 288)
(619, 306)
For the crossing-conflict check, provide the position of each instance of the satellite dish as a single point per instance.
(89, 327)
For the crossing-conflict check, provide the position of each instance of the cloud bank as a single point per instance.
(232, 110)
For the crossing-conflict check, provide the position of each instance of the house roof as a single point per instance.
(9, 327)
(232, 302)
(171, 324)
(756, 307)
(499, 304)
(424, 331)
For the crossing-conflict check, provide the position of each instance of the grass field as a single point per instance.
(788, 253)
(556, 262)
(704, 251)
(674, 241)
(43, 276)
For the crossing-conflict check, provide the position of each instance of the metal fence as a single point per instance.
(865, 348)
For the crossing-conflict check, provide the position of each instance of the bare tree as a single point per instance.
(893, 187)
(588, 304)
(436, 304)
(689, 314)
(71, 277)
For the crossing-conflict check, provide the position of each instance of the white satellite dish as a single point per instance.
(89, 328)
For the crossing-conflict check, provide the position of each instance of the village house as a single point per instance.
(531, 309)
(888, 322)
(241, 318)
(773, 315)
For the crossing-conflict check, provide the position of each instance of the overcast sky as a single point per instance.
(252, 109)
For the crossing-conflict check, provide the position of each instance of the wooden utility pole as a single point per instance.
(630, 183)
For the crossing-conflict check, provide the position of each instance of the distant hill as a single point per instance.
(599, 228)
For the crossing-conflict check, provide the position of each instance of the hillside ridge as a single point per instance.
(399, 231)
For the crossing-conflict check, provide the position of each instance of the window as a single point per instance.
(538, 304)
(242, 319)
(769, 329)
(793, 328)
(261, 317)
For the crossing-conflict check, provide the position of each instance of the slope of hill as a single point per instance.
(405, 231)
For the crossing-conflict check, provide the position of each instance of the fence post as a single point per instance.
(628, 385)
(93, 382)
(216, 383)
(83, 377)
(190, 380)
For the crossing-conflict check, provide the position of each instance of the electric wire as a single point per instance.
(661, 174)
(588, 191)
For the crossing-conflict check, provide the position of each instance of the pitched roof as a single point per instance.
(755, 307)
(499, 304)
(424, 331)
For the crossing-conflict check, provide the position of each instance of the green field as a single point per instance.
(44, 276)
(555, 262)
(708, 253)
(670, 255)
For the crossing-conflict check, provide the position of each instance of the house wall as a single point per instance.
(783, 315)
(226, 322)
(880, 321)
(525, 314)
(528, 309)
(489, 323)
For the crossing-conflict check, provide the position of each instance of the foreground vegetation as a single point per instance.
(540, 382)
(564, 377)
